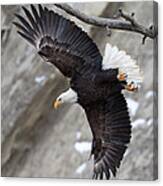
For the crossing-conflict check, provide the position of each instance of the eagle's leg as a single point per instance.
(122, 76)
(131, 87)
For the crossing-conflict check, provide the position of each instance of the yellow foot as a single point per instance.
(122, 76)
(131, 87)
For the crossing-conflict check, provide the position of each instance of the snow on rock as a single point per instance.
(150, 122)
(78, 135)
(132, 105)
(82, 146)
(81, 168)
(149, 94)
(126, 152)
(40, 79)
(138, 123)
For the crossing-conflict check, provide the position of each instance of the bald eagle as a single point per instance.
(96, 83)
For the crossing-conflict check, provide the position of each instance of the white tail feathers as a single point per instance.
(115, 58)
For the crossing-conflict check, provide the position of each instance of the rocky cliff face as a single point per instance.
(38, 141)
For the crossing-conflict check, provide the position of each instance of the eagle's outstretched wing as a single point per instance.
(58, 40)
(110, 125)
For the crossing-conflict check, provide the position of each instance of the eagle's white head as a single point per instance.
(70, 96)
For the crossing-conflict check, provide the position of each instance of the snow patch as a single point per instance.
(132, 105)
(150, 122)
(138, 123)
(82, 146)
(81, 168)
(126, 153)
(78, 135)
(149, 94)
(40, 79)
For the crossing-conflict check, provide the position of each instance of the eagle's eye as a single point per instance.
(60, 99)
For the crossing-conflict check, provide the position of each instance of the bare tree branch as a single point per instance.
(128, 24)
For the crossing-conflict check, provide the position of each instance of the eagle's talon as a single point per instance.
(122, 76)
(131, 87)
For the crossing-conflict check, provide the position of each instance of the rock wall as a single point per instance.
(38, 141)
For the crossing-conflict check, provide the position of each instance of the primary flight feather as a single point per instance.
(96, 83)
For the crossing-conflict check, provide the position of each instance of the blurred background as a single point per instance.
(38, 141)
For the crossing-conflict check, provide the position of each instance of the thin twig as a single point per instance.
(128, 24)
(127, 17)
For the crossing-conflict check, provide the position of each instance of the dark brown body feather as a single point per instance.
(73, 52)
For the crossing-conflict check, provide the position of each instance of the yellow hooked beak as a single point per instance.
(57, 104)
